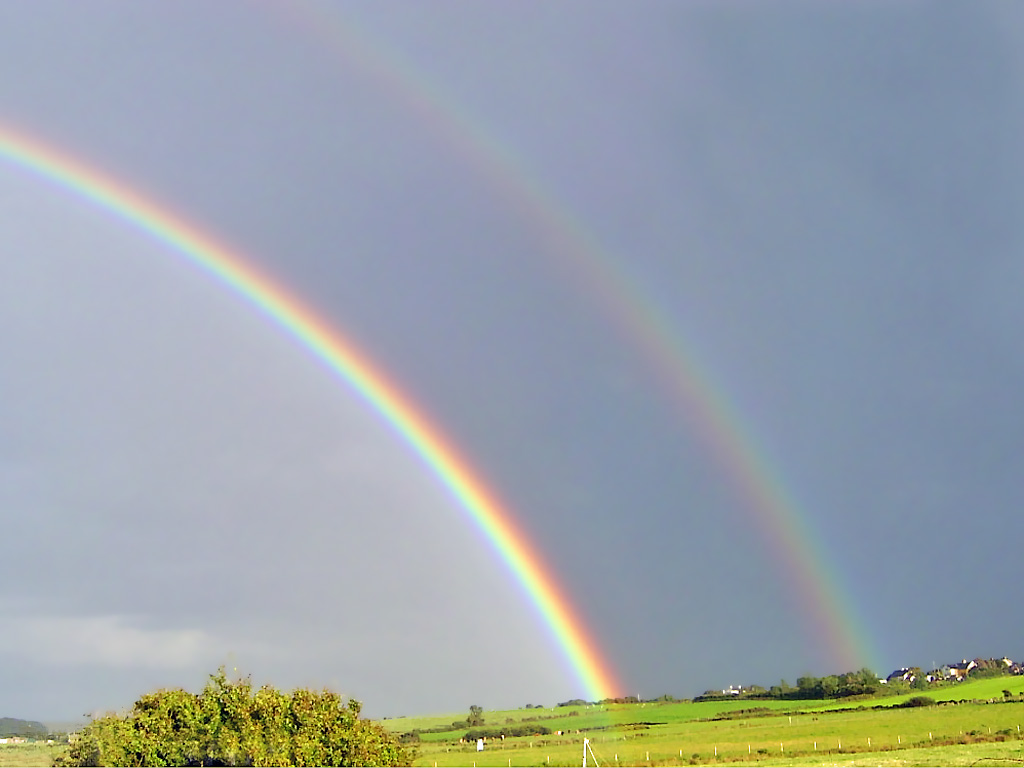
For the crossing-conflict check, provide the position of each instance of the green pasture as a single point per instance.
(989, 755)
(601, 715)
(790, 732)
(768, 740)
(978, 725)
(28, 754)
(594, 716)
(983, 690)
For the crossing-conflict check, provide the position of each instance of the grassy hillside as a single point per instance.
(797, 732)
(12, 726)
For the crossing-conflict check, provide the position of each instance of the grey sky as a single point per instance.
(822, 198)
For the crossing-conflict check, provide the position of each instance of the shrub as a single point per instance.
(230, 724)
(507, 731)
(574, 703)
(918, 701)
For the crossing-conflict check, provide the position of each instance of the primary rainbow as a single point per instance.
(354, 367)
(830, 613)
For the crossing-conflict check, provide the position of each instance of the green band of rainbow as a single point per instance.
(341, 357)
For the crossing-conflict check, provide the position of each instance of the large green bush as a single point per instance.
(229, 724)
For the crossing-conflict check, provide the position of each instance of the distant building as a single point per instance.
(903, 673)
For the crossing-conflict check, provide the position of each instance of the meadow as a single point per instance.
(971, 722)
(28, 754)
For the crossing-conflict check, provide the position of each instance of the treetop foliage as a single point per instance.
(231, 724)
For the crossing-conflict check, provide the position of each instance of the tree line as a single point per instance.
(863, 682)
(860, 683)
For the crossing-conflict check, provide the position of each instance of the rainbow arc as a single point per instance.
(352, 366)
(786, 529)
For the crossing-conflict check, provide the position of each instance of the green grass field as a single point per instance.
(788, 733)
(28, 754)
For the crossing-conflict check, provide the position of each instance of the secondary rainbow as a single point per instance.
(828, 609)
(331, 347)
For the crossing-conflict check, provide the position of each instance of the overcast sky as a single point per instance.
(822, 201)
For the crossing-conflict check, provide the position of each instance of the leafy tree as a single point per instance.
(781, 691)
(864, 681)
(828, 686)
(808, 687)
(231, 724)
(868, 680)
(476, 716)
